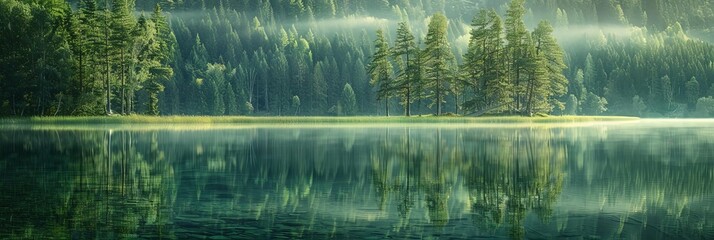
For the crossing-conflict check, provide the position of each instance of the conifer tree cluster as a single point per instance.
(298, 57)
(522, 73)
(95, 59)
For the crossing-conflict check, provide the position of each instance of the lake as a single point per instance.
(648, 179)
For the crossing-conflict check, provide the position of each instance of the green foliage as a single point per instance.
(692, 89)
(348, 103)
(705, 107)
(101, 56)
(484, 67)
(438, 62)
(638, 106)
(594, 105)
(571, 105)
(380, 70)
(35, 59)
(408, 79)
(520, 55)
(153, 87)
(296, 104)
(636, 65)
(548, 47)
(662, 94)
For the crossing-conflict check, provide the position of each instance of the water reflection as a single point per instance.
(632, 181)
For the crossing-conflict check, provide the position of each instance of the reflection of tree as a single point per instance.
(435, 182)
(317, 183)
(110, 186)
(513, 172)
(653, 178)
(406, 184)
(508, 173)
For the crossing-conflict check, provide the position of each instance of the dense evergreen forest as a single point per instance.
(357, 57)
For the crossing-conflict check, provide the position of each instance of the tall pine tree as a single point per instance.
(438, 61)
(380, 70)
(484, 66)
(405, 51)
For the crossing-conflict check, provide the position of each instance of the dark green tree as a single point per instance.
(122, 39)
(692, 93)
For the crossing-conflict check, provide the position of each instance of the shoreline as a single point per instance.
(249, 120)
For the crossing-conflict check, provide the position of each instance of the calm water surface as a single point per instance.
(648, 179)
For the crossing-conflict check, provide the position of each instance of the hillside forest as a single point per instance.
(647, 58)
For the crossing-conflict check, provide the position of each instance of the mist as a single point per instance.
(352, 22)
(597, 33)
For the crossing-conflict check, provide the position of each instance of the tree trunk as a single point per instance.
(409, 86)
(123, 85)
(106, 68)
(265, 94)
(456, 101)
(409, 100)
(81, 74)
(438, 95)
(386, 106)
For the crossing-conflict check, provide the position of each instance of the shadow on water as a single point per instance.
(629, 181)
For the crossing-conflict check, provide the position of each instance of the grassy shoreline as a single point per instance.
(138, 119)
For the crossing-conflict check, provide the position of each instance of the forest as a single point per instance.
(647, 58)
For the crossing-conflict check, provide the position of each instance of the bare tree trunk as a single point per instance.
(59, 104)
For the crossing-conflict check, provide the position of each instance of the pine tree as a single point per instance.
(281, 77)
(571, 105)
(577, 88)
(662, 94)
(692, 93)
(484, 68)
(166, 42)
(195, 100)
(84, 36)
(123, 23)
(105, 49)
(594, 105)
(318, 89)
(348, 103)
(405, 51)
(155, 52)
(380, 70)
(216, 89)
(548, 47)
(590, 75)
(537, 83)
(438, 61)
(517, 51)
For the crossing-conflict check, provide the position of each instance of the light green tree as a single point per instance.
(438, 61)
(547, 46)
(348, 103)
(380, 70)
(484, 66)
(517, 37)
(406, 53)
